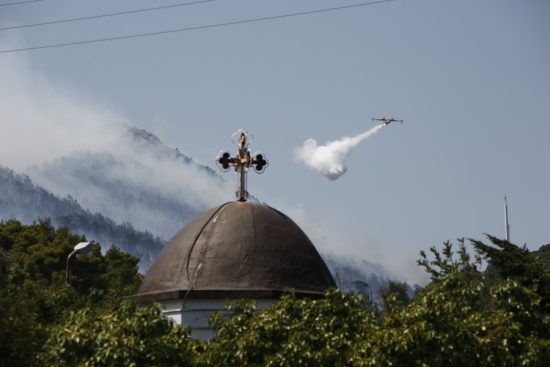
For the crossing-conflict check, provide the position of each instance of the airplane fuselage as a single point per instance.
(387, 121)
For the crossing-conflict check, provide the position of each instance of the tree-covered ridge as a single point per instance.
(21, 199)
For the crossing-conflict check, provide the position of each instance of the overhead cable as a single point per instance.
(187, 29)
(105, 15)
(21, 2)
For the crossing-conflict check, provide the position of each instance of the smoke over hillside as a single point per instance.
(89, 170)
(156, 188)
(21, 199)
(70, 145)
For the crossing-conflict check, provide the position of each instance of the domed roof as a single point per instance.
(238, 249)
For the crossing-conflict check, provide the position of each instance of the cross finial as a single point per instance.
(242, 162)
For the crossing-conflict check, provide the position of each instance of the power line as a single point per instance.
(21, 2)
(105, 15)
(215, 25)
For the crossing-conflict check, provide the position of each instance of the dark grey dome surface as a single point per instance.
(238, 249)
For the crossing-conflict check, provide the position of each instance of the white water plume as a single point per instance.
(328, 159)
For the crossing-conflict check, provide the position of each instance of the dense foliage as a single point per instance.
(33, 294)
(293, 332)
(492, 310)
(125, 336)
(464, 317)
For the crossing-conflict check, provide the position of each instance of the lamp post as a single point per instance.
(80, 248)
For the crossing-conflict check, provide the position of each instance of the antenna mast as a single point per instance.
(506, 223)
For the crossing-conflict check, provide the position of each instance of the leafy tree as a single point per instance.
(444, 262)
(125, 336)
(465, 316)
(512, 262)
(292, 332)
(33, 294)
(395, 296)
(543, 255)
(462, 318)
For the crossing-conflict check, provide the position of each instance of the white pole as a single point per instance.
(506, 223)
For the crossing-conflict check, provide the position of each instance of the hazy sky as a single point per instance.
(471, 79)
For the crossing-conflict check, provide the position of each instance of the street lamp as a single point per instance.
(80, 248)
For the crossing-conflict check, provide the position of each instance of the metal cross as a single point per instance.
(242, 162)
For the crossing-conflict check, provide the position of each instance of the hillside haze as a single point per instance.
(144, 182)
(21, 199)
(136, 197)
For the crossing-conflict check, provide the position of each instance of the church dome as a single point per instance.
(239, 249)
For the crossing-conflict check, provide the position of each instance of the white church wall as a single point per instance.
(195, 313)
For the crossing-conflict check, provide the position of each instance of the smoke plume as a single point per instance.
(329, 159)
(71, 144)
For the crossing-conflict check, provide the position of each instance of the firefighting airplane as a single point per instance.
(387, 121)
